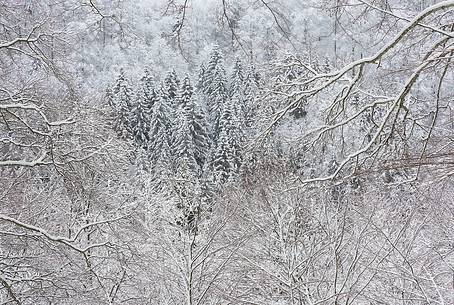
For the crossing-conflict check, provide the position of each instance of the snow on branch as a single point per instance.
(69, 242)
(320, 83)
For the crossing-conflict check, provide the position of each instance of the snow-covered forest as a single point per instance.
(214, 152)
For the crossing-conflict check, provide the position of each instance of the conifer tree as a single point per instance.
(140, 125)
(147, 91)
(192, 123)
(201, 79)
(214, 63)
(238, 100)
(222, 165)
(199, 130)
(227, 157)
(110, 97)
(237, 80)
(184, 149)
(215, 91)
(170, 92)
(217, 99)
(143, 110)
(159, 139)
(250, 90)
(185, 94)
(122, 98)
(187, 169)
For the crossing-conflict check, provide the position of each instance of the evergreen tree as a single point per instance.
(239, 100)
(187, 170)
(147, 91)
(237, 80)
(122, 98)
(159, 139)
(217, 99)
(227, 157)
(199, 130)
(110, 97)
(215, 91)
(222, 166)
(143, 110)
(190, 151)
(170, 92)
(192, 123)
(250, 90)
(140, 125)
(214, 64)
(185, 94)
(201, 78)
(184, 149)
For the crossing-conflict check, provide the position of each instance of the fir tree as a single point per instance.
(215, 91)
(218, 97)
(185, 94)
(143, 110)
(159, 139)
(140, 125)
(227, 157)
(214, 64)
(110, 97)
(183, 147)
(122, 98)
(147, 92)
(239, 100)
(170, 92)
(201, 80)
(237, 80)
(192, 123)
(250, 90)
(187, 169)
(199, 129)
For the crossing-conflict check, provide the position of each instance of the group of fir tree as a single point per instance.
(191, 137)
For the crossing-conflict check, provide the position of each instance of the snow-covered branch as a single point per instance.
(69, 242)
